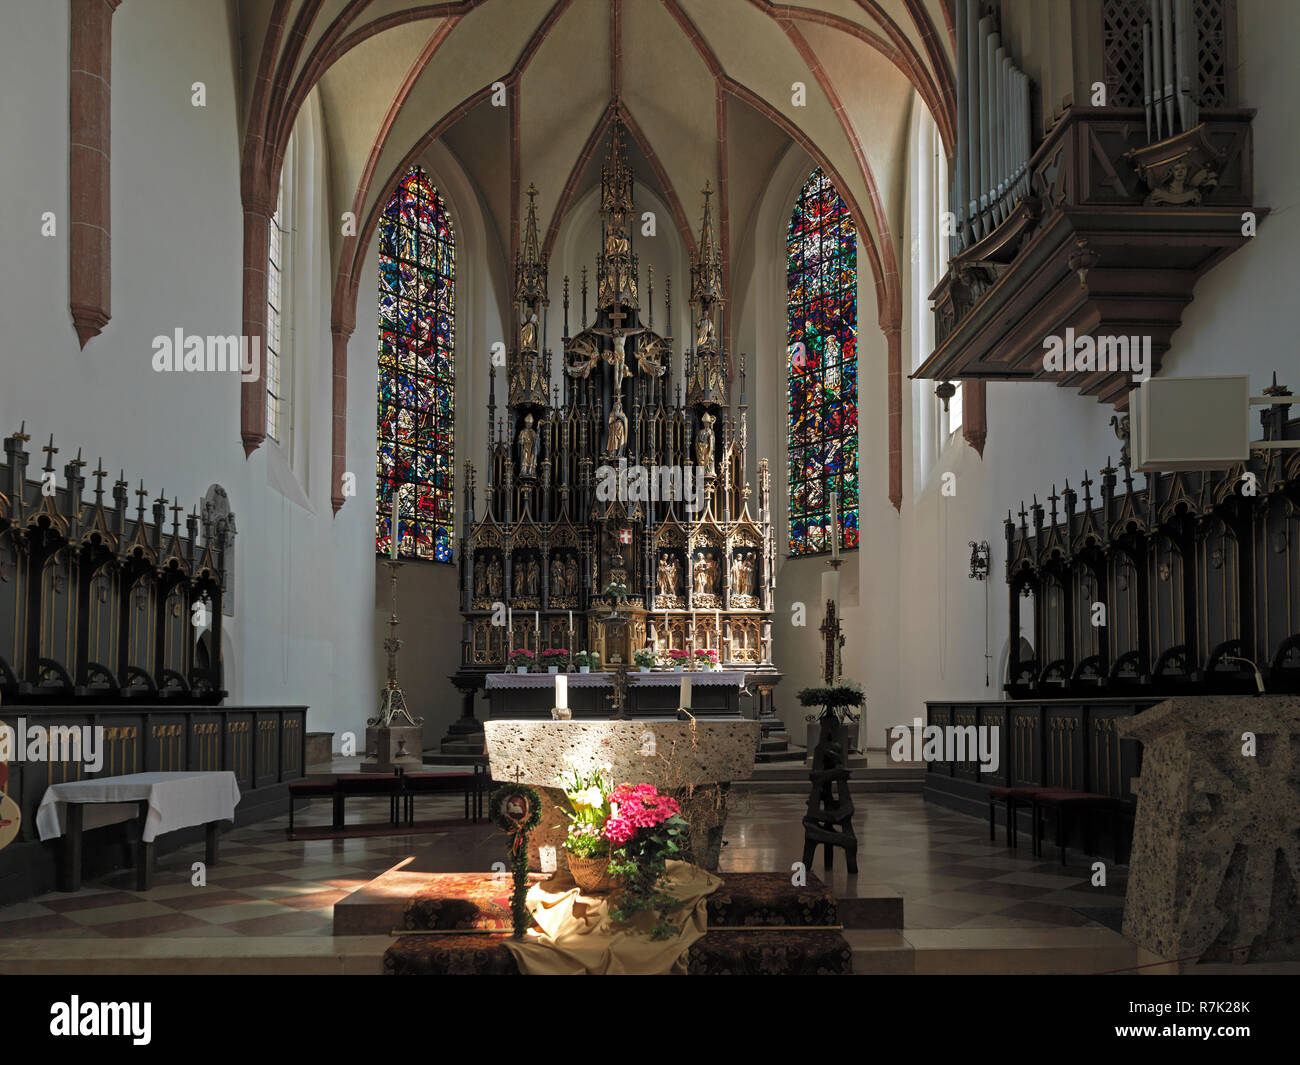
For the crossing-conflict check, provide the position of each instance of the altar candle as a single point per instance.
(537, 621)
(717, 625)
(831, 587)
(561, 692)
(835, 525)
(392, 526)
(684, 696)
(570, 620)
(510, 625)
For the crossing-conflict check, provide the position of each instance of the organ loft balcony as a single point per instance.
(1108, 238)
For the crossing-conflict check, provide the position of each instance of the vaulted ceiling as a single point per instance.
(522, 91)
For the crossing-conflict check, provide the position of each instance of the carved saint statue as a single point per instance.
(704, 444)
(704, 336)
(480, 577)
(494, 578)
(557, 576)
(571, 577)
(667, 575)
(517, 582)
(534, 576)
(620, 361)
(741, 574)
(704, 574)
(528, 448)
(616, 438)
(528, 334)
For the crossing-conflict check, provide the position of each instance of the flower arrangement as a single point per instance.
(615, 591)
(587, 658)
(646, 657)
(554, 656)
(706, 654)
(677, 656)
(521, 656)
(645, 829)
(588, 799)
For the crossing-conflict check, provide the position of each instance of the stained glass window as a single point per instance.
(417, 369)
(822, 367)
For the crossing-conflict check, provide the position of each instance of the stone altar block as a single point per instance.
(694, 761)
(1216, 865)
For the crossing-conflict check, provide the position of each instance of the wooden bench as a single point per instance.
(400, 788)
(1084, 802)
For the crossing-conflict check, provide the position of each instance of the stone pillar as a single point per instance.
(1215, 863)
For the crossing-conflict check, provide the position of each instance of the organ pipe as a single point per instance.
(992, 170)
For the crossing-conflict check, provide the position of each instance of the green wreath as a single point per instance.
(517, 822)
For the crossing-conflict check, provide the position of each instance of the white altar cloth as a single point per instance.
(727, 678)
(176, 800)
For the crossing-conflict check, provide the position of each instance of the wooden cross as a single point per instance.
(22, 433)
(616, 317)
(143, 495)
(50, 451)
(176, 508)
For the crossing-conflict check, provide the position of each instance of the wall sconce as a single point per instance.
(979, 560)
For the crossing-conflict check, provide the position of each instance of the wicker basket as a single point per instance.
(592, 874)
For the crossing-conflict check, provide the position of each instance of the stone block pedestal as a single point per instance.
(393, 747)
(1216, 866)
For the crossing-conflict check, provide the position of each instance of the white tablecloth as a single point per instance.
(176, 800)
(657, 678)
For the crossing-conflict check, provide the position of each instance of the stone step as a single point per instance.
(987, 951)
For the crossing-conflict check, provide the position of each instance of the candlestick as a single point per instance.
(570, 620)
(510, 626)
(561, 691)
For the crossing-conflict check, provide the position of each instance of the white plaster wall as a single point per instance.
(298, 634)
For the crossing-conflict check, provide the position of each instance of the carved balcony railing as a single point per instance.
(1109, 242)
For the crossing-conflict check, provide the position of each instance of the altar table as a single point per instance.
(164, 802)
(653, 696)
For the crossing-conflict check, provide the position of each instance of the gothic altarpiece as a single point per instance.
(566, 530)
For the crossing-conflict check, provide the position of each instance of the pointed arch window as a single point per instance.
(822, 367)
(417, 371)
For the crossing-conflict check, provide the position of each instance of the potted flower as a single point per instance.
(522, 659)
(554, 657)
(585, 846)
(645, 658)
(705, 656)
(645, 829)
(678, 658)
(584, 660)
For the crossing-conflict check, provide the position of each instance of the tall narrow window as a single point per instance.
(417, 371)
(274, 316)
(822, 367)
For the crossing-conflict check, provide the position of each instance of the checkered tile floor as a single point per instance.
(943, 864)
(263, 884)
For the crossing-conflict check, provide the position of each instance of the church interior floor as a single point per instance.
(969, 905)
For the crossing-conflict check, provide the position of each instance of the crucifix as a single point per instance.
(176, 509)
(142, 494)
(50, 451)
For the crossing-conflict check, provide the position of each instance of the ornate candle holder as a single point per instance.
(392, 700)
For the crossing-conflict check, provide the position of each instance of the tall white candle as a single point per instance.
(510, 626)
(835, 525)
(831, 588)
(392, 525)
(684, 695)
(561, 692)
(570, 620)
(537, 622)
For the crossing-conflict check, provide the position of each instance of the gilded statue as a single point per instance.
(742, 572)
(616, 438)
(528, 448)
(571, 577)
(557, 577)
(587, 356)
(480, 577)
(528, 334)
(704, 444)
(705, 339)
(650, 355)
(534, 577)
(494, 578)
(667, 575)
(706, 571)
